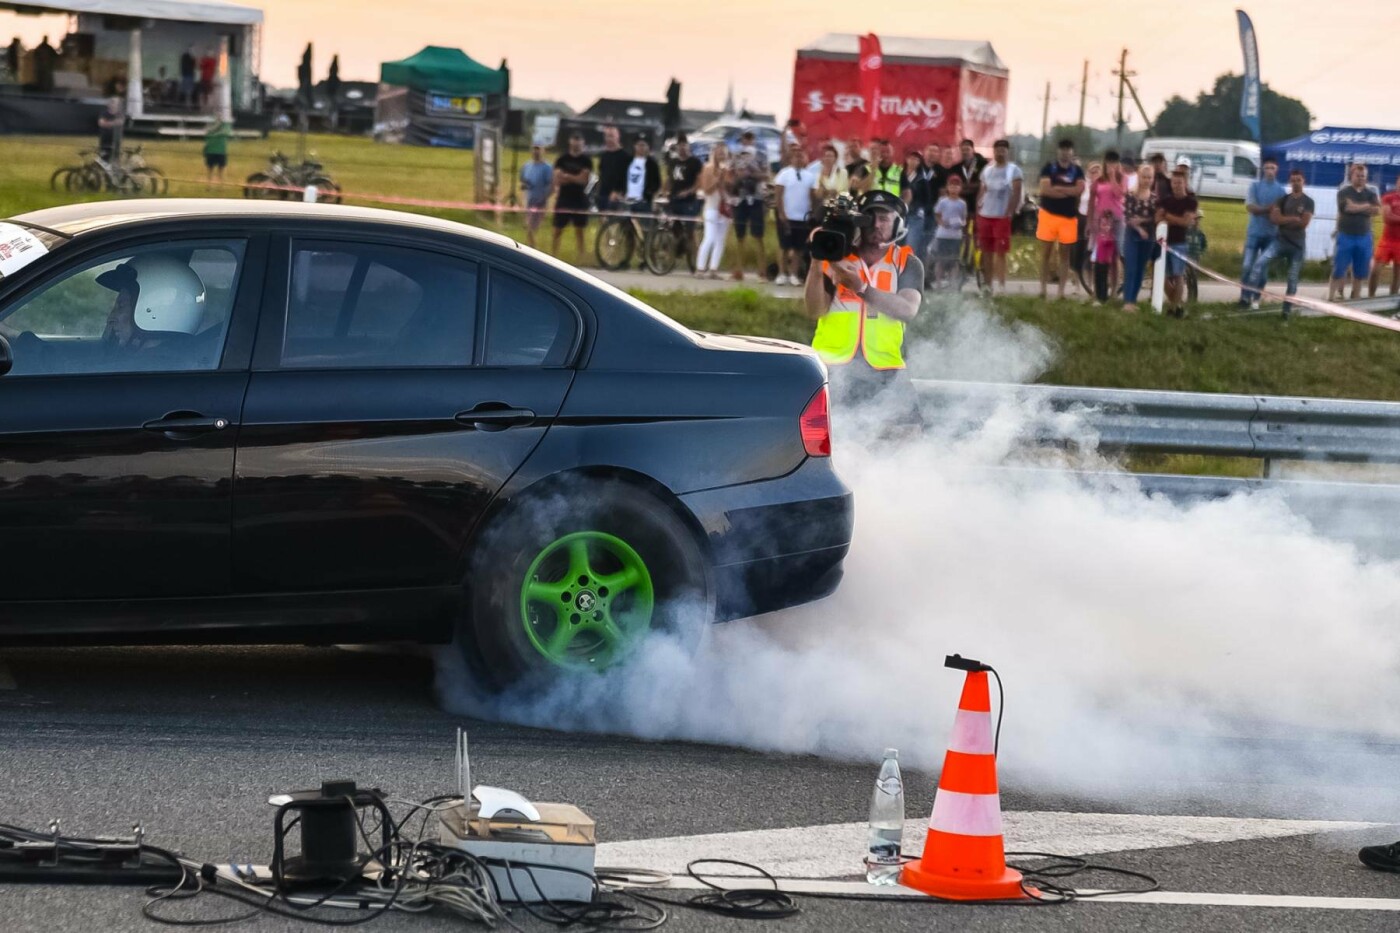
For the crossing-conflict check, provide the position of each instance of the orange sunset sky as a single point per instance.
(1341, 60)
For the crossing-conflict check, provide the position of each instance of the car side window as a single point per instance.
(526, 325)
(1244, 167)
(159, 308)
(358, 305)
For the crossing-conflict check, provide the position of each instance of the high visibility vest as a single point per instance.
(846, 327)
(886, 179)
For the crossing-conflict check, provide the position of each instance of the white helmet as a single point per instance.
(1183, 161)
(169, 295)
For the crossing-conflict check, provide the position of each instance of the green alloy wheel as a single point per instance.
(587, 599)
(571, 578)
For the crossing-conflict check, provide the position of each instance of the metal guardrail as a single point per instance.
(1263, 426)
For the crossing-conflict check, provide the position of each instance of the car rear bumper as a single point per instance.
(776, 543)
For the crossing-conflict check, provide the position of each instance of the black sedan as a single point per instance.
(224, 421)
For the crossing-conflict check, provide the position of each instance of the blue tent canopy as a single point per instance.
(1324, 154)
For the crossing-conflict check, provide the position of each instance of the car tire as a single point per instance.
(512, 631)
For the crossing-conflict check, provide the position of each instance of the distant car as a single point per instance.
(767, 137)
(232, 421)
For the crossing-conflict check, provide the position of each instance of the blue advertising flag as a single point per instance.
(1249, 99)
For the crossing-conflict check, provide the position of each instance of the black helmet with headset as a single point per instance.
(881, 200)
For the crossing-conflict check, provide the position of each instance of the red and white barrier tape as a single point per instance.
(429, 203)
(1325, 307)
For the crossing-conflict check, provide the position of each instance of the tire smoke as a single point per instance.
(1139, 640)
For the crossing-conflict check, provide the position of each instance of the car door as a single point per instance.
(119, 418)
(395, 391)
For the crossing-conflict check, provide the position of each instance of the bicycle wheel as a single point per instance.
(327, 191)
(148, 182)
(254, 186)
(1085, 272)
(86, 178)
(660, 249)
(62, 178)
(615, 244)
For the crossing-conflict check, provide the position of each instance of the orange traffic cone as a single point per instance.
(964, 857)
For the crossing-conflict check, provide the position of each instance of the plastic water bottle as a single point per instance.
(886, 823)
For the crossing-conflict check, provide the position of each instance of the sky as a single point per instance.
(579, 50)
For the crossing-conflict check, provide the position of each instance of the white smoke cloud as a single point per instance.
(1135, 636)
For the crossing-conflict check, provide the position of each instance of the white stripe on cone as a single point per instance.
(972, 733)
(966, 814)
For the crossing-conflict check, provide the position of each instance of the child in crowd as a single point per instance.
(951, 214)
(1105, 257)
(1196, 243)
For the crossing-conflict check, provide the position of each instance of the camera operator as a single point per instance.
(862, 303)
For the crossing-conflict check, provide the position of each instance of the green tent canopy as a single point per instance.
(448, 71)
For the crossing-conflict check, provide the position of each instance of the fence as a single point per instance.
(1270, 428)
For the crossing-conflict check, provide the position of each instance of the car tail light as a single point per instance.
(816, 426)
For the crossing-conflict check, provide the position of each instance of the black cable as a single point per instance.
(1001, 709)
(736, 903)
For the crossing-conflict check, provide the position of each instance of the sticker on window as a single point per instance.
(18, 248)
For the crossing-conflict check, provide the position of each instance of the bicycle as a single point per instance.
(128, 175)
(669, 238)
(283, 181)
(619, 237)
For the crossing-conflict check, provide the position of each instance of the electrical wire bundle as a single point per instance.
(407, 874)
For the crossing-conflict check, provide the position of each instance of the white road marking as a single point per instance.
(1187, 898)
(7, 680)
(836, 850)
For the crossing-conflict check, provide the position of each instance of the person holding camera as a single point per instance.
(862, 302)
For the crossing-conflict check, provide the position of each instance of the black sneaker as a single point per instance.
(1381, 858)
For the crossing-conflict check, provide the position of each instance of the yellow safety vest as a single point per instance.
(886, 179)
(846, 327)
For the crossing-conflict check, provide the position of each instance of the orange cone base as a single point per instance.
(968, 887)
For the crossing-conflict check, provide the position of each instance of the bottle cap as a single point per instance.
(892, 753)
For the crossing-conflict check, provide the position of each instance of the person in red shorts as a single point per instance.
(1388, 249)
(998, 200)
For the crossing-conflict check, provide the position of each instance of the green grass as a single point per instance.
(1106, 347)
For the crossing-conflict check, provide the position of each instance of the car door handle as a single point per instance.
(490, 417)
(185, 424)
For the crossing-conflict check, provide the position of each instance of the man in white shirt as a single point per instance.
(643, 178)
(794, 209)
(997, 203)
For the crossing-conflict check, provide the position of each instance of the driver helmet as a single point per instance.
(878, 199)
(169, 295)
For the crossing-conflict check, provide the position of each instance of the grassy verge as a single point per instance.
(1105, 347)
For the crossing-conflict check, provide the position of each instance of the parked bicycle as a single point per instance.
(620, 237)
(128, 174)
(284, 181)
(669, 238)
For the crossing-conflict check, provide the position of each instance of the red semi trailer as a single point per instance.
(931, 91)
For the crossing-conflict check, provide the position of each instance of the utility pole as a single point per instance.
(1083, 93)
(1045, 123)
(1147, 121)
(1122, 74)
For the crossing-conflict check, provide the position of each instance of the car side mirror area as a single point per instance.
(7, 358)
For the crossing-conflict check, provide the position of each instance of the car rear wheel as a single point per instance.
(574, 582)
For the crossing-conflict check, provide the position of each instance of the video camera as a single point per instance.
(835, 235)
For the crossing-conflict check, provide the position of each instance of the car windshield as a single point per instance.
(22, 243)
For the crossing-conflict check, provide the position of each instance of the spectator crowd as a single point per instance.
(1102, 217)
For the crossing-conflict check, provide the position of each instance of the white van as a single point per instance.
(1220, 168)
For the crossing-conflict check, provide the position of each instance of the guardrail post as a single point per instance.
(1159, 272)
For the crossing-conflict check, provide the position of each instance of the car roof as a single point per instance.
(77, 219)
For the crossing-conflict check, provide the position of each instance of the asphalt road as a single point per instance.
(192, 741)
